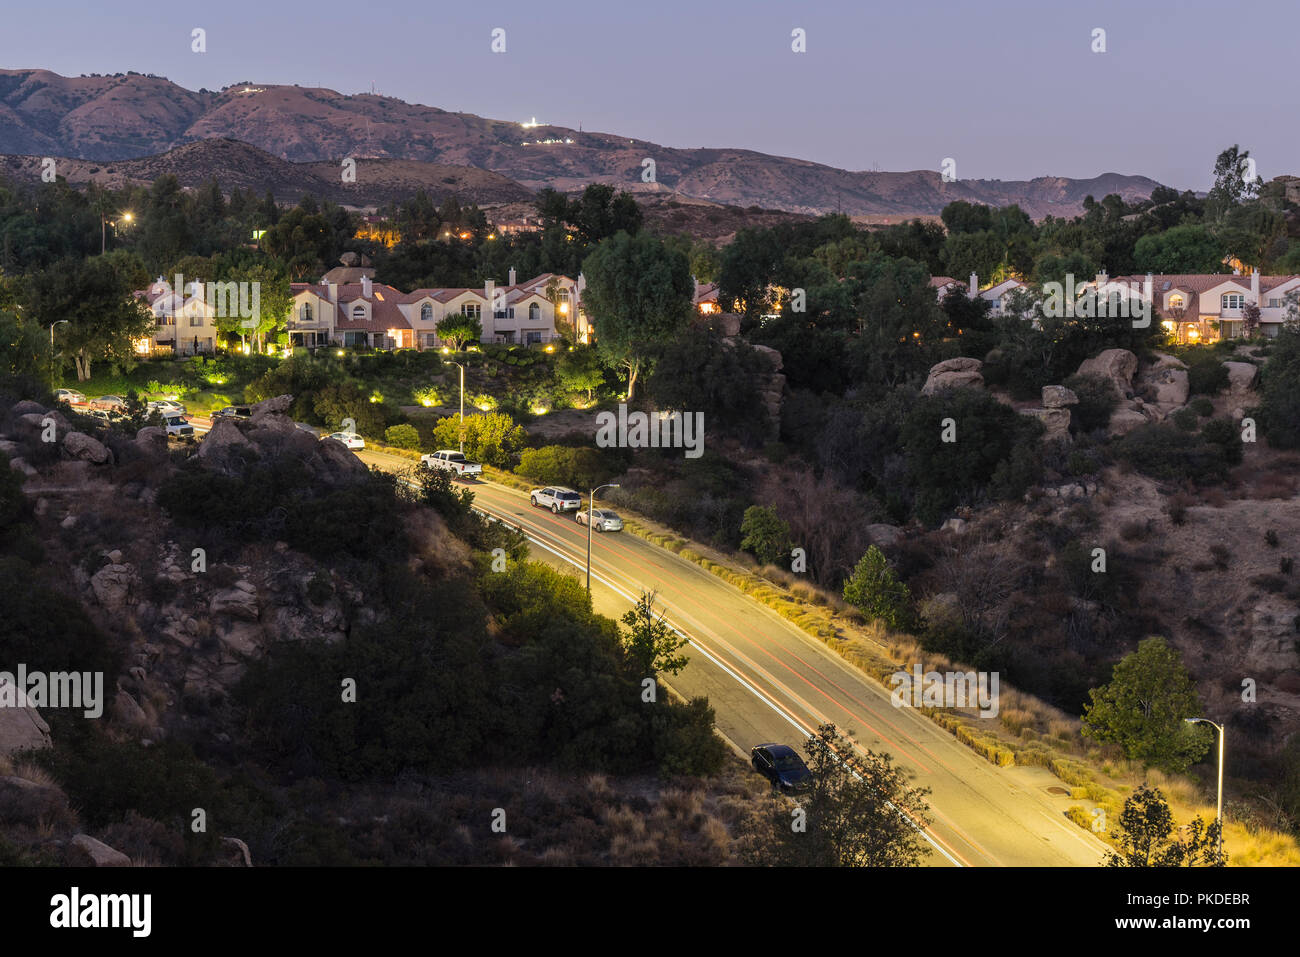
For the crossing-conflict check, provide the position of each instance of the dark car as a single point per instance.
(781, 765)
(235, 411)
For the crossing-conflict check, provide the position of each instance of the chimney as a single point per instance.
(974, 289)
(367, 287)
(489, 292)
(332, 290)
(1102, 277)
(512, 277)
(1254, 287)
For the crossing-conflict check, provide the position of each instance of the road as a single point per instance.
(768, 681)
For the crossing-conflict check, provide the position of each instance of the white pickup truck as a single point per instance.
(451, 460)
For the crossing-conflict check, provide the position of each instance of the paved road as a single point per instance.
(770, 682)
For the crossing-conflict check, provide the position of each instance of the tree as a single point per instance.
(1250, 319)
(490, 437)
(580, 370)
(1279, 390)
(1145, 826)
(1232, 182)
(652, 645)
(875, 588)
(859, 811)
(1182, 249)
(639, 295)
(458, 329)
(103, 315)
(1144, 707)
(767, 537)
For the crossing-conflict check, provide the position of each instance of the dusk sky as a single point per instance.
(1009, 88)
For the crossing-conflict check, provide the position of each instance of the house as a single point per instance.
(1208, 307)
(943, 285)
(184, 322)
(706, 298)
(367, 314)
(996, 295)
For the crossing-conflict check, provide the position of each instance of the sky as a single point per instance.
(1009, 89)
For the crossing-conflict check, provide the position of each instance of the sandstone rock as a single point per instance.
(962, 372)
(954, 525)
(276, 405)
(337, 463)
(35, 423)
(1058, 397)
(237, 854)
(223, 437)
(1241, 377)
(127, 711)
(882, 534)
(1056, 422)
(82, 446)
(1124, 421)
(69, 521)
(235, 603)
(1169, 384)
(1115, 365)
(112, 585)
(26, 802)
(152, 440)
(85, 851)
(21, 727)
(27, 407)
(22, 465)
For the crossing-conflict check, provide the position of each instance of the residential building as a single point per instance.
(1208, 307)
(184, 322)
(706, 298)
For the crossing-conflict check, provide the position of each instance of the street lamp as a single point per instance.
(1219, 811)
(462, 403)
(52, 325)
(591, 501)
(105, 222)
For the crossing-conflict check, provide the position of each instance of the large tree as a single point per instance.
(1144, 708)
(1145, 826)
(103, 316)
(639, 296)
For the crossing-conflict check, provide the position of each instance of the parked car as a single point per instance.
(107, 415)
(557, 499)
(452, 461)
(602, 519)
(781, 765)
(167, 407)
(178, 428)
(112, 403)
(70, 396)
(349, 439)
(235, 411)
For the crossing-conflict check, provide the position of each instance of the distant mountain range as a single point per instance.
(131, 117)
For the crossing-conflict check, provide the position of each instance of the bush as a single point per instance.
(1202, 406)
(1186, 419)
(1206, 374)
(1097, 400)
(581, 467)
(402, 437)
(1224, 434)
(767, 537)
(876, 590)
(1165, 452)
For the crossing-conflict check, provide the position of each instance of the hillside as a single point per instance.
(131, 116)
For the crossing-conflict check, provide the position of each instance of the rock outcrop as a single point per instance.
(961, 372)
(85, 851)
(1241, 377)
(82, 446)
(1116, 366)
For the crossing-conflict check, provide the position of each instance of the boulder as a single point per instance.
(22, 465)
(85, 851)
(1169, 384)
(1056, 422)
(962, 372)
(1115, 365)
(1124, 421)
(112, 585)
(883, 535)
(127, 711)
(26, 802)
(236, 853)
(1058, 397)
(35, 423)
(221, 440)
(26, 407)
(1241, 377)
(83, 447)
(21, 726)
(336, 462)
(152, 440)
(276, 405)
(954, 525)
(235, 603)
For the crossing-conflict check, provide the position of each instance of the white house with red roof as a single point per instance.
(374, 315)
(184, 321)
(1206, 307)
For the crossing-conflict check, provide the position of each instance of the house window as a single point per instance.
(1275, 304)
(426, 313)
(358, 311)
(507, 313)
(305, 312)
(1175, 302)
(1233, 300)
(196, 321)
(430, 339)
(471, 309)
(534, 312)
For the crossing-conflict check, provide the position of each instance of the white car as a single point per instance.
(452, 461)
(167, 407)
(178, 428)
(602, 519)
(70, 396)
(349, 439)
(556, 497)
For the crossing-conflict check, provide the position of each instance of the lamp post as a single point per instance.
(52, 325)
(462, 404)
(104, 222)
(1219, 811)
(591, 501)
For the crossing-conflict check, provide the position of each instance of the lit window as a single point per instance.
(1233, 300)
(426, 313)
(358, 311)
(1175, 302)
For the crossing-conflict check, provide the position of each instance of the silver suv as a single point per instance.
(557, 498)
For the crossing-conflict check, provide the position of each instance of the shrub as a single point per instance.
(1164, 452)
(1202, 406)
(1270, 537)
(1206, 374)
(1176, 507)
(767, 537)
(1186, 419)
(402, 437)
(1097, 400)
(876, 590)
